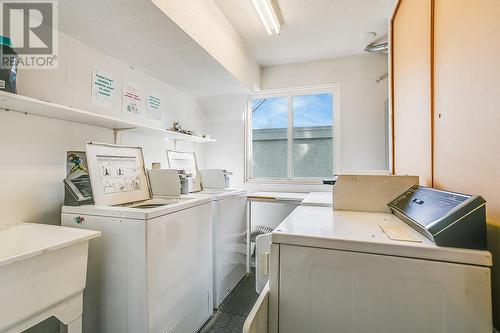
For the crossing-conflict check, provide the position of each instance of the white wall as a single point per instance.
(228, 151)
(363, 122)
(362, 102)
(71, 85)
(33, 149)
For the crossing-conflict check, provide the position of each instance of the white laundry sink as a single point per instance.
(42, 274)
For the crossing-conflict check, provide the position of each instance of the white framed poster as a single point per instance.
(104, 89)
(153, 110)
(133, 98)
(186, 161)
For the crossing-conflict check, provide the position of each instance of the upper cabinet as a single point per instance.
(411, 62)
(446, 94)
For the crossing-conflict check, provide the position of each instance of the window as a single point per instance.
(291, 136)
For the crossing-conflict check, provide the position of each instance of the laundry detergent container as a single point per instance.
(8, 65)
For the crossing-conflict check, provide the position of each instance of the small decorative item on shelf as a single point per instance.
(178, 128)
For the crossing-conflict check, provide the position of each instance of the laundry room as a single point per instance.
(256, 166)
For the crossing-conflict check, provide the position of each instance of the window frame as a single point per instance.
(333, 89)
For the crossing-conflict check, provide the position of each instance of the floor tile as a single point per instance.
(232, 313)
(242, 299)
(224, 323)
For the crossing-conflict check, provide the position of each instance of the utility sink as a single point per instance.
(42, 274)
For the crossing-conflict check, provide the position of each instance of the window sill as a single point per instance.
(284, 181)
(283, 185)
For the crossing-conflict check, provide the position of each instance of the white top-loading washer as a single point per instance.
(228, 233)
(228, 220)
(151, 271)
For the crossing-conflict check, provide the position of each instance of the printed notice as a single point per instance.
(103, 89)
(154, 106)
(119, 174)
(133, 99)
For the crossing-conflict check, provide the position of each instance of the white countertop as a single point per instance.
(295, 197)
(26, 240)
(322, 199)
(216, 194)
(323, 227)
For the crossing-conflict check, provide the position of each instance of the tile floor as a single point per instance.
(233, 312)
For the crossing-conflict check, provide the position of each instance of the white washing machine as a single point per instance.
(229, 239)
(151, 271)
(228, 219)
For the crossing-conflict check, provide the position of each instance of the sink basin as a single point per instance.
(42, 274)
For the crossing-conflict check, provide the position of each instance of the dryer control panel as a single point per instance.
(447, 218)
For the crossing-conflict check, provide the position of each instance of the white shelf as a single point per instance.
(33, 106)
(185, 137)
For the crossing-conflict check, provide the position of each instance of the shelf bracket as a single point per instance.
(116, 131)
(115, 135)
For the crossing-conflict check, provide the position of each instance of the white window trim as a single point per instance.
(333, 89)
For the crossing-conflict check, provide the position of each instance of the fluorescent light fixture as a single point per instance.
(269, 14)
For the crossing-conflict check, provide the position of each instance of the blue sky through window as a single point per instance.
(270, 113)
(312, 110)
(309, 111)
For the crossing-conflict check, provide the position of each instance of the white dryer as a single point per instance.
(151, 271)
(422, 269)
(339, 271)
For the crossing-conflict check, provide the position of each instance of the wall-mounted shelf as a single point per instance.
(173, 135)
(33, 106)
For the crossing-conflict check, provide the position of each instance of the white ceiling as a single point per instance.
(314, 29)
(139, 34)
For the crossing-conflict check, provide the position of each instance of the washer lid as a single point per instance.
(117, 174)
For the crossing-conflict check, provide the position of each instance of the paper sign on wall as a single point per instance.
(133, 99)
(103, 89)
(154, 106)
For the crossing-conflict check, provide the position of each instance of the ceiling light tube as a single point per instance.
(269, 15)
(272, 16)
(261, 15)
